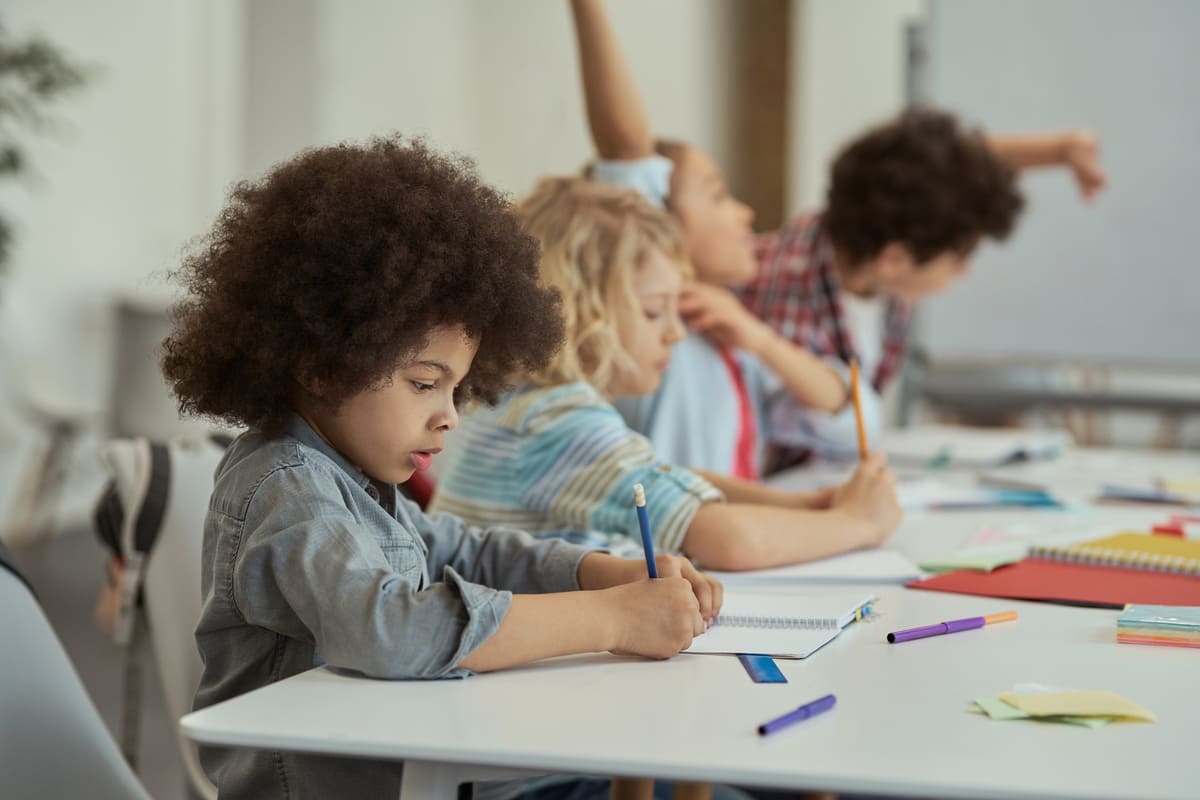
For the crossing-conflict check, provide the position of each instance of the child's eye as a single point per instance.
(422, 387)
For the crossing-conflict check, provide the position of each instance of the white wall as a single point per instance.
(137, 167)
(190, 95)
(1114, 281)
(499, 82)
(846, 73)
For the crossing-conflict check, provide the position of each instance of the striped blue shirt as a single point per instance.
(560, 461)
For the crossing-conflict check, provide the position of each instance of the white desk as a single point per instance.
(900, 726)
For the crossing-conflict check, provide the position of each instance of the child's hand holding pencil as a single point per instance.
(869, 500)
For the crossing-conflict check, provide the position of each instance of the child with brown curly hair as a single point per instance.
(340, 308)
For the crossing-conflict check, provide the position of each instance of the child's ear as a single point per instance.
(895, 260)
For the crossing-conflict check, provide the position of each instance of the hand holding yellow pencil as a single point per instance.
(856, 398)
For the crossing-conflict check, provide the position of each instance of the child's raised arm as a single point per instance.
(1078, 150)
(616, 115)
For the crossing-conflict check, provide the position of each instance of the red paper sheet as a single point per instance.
(1076, 584)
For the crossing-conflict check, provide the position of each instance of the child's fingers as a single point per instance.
(876, 460)
(693, 302)
(704, 594)
(699, 321)
(718, 596)
(702, 587)
(669, 566)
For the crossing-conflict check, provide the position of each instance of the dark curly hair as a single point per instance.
(921, 180)
(336, 266)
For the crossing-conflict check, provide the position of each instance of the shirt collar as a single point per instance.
(298, 428)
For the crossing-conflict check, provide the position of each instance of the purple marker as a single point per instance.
(952, 626)
(802, 713)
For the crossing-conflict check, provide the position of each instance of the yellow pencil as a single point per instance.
(858, 415)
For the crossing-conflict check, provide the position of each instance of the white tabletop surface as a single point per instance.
(900, 727)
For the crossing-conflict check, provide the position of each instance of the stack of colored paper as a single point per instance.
(1178, 626)
(1091, 709)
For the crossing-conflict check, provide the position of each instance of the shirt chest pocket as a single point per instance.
(405, 558)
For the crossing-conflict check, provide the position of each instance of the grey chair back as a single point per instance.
(53, 742)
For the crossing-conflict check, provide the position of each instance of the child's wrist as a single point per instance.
(860, 529)
(609, 618)
(764, 340)
(601, 570)
(592, 572)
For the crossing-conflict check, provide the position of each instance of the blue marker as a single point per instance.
(802, 713)
(639, 500)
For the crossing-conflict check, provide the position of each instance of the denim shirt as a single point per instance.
(308, 562)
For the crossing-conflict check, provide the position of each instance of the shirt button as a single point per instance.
(373, 492)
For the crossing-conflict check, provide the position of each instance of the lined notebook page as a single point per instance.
(780, 625)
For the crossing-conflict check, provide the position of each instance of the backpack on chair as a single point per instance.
(151, 516)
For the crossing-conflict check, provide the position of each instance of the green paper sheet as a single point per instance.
(997, 709)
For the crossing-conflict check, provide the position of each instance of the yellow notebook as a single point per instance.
(1143, 551)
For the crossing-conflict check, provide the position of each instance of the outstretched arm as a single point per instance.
(762, 527)
(1077, 150)
(616, 115)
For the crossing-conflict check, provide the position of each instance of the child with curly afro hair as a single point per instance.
(340, 309)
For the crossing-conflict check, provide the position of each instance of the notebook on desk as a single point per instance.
(1112, 493)
(931, 494)
(1109, 572)
(950, 445)
(779, 625)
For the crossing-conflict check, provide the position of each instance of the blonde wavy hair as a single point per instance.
(593, 239)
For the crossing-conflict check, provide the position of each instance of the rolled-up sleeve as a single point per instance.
(308, 569)
(650, 176)
(499, 557)
(588, 463)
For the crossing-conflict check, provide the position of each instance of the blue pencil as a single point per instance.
(639, 500)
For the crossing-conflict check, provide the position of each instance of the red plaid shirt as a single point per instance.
(797, 293)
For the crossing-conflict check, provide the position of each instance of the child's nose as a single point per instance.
(675, 329)
(447, 419)
(747, 214)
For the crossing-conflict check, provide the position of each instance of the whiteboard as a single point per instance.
(1117, 280)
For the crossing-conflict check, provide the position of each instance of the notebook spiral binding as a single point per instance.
(792, 623)
(1109, 557)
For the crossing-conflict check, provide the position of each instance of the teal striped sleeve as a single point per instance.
(579, 469)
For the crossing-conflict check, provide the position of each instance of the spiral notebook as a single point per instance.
(1144, 551)
(778, 624)
(1110, 572)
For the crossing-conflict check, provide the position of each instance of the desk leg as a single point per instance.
(430, 779)
(434, 780)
